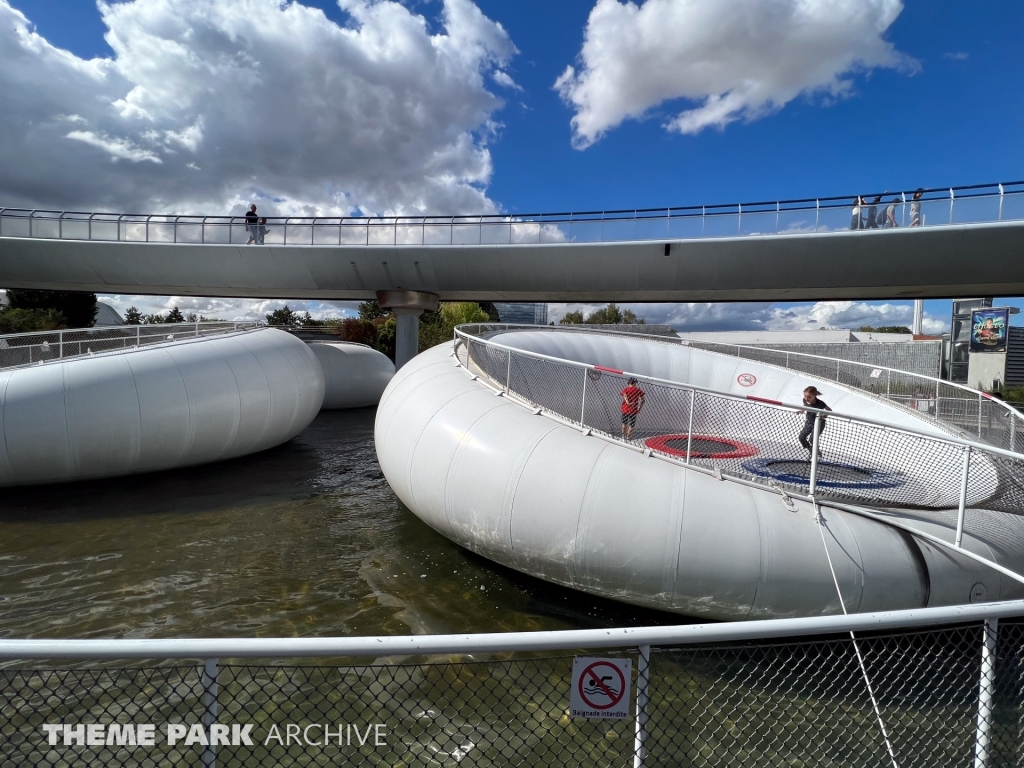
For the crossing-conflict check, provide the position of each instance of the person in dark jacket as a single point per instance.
(252, 222)
(811, 400)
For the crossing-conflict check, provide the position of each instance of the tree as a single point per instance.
(78, 308)
(884, 329)
(371, 310)
(308, 321)
(387, 331)
(609, 315)
(27, 320)
(154, 319)
(438, 327)
(175, 316)
(358, 330)
(132, 316)
(572, 318)
(284, 317)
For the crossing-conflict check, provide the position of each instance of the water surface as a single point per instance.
(303, 539)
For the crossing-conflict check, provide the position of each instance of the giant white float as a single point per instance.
(510, 448)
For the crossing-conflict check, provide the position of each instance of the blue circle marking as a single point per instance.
(873, 478)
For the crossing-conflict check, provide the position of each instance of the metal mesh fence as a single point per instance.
(965, 411)
(756, 440)
(34, 348)
(927, 698)
(920, 357)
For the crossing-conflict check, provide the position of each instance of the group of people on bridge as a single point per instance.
(866, 214)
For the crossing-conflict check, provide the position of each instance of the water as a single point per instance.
(304, 539)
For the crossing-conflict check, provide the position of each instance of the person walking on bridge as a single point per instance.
(633, 399)
(811, 400)
(252, 222)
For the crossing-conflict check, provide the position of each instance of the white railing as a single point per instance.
(827, 661)
(873, 463)
(21, 349)
(974, 204)
(967, 410)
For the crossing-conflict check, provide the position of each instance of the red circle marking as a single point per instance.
(746, 379)
(600, 683)
(739, 450)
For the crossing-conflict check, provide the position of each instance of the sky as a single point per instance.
(431, 106)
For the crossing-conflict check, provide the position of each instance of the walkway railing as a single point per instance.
(19, 349)
(922, 688)
(756, 440)
(967, 410)
(980, 203)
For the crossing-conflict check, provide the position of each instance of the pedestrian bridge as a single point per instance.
(968, 242)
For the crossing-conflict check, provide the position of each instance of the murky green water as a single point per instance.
(304, 539)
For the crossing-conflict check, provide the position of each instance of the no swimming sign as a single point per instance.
(600, 688)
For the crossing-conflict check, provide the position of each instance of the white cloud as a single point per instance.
(218, 102)
(957, 56)
(750, 316)
(732, 59)
(226, 308)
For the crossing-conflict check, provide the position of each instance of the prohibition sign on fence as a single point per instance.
(600, 688)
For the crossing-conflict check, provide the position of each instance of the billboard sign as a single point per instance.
(989, 329)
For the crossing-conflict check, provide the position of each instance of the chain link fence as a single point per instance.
(921, 357)
(945, 696)
(755, 439)
(33, 348)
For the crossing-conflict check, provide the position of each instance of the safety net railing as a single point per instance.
(19, 349)
(980, 203)
(776, 445)
(926, 688)
(968, 411)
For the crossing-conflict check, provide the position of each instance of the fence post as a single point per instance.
(689, 429)
(1000, 202)
(986, 692)
(62, 344)
(211, 709)
(980, 403)
(583, 404)
(138, 335)
(963, 496)
(508, 373)
(814, 454)
(888, 383)
(642, 681)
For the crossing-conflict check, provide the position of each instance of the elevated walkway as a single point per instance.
(785, 250)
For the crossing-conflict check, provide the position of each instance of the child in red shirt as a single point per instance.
(632, 402)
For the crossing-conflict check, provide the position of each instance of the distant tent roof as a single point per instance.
(107, 315)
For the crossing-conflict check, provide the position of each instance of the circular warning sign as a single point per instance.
(602, 685)
(746, 379)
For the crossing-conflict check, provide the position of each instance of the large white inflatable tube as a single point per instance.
(354, 375)
(539, 496)
(177, 404)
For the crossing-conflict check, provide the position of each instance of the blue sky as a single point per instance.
(941, 104)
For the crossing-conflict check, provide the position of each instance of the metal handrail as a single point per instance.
(60, 345)
(975, 394)
(966, 447)
(479, 221)
(502, 642)
(951, 440)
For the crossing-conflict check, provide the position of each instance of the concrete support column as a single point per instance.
(407, 306)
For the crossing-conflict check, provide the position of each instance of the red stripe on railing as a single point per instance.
(764, 400)
(609, 370)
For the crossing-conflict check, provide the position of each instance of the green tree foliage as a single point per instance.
(175, 316)
(884, 329)
(154, 319)
(78, 308)
(133, 317)
(439, 327)
(491, 310)
(358, 330)
(27, 320)
(370, 310)
(308, 321)
(609, 315)
(387, 330)
(284, 317)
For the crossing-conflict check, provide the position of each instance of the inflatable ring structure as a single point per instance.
(509, 444)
